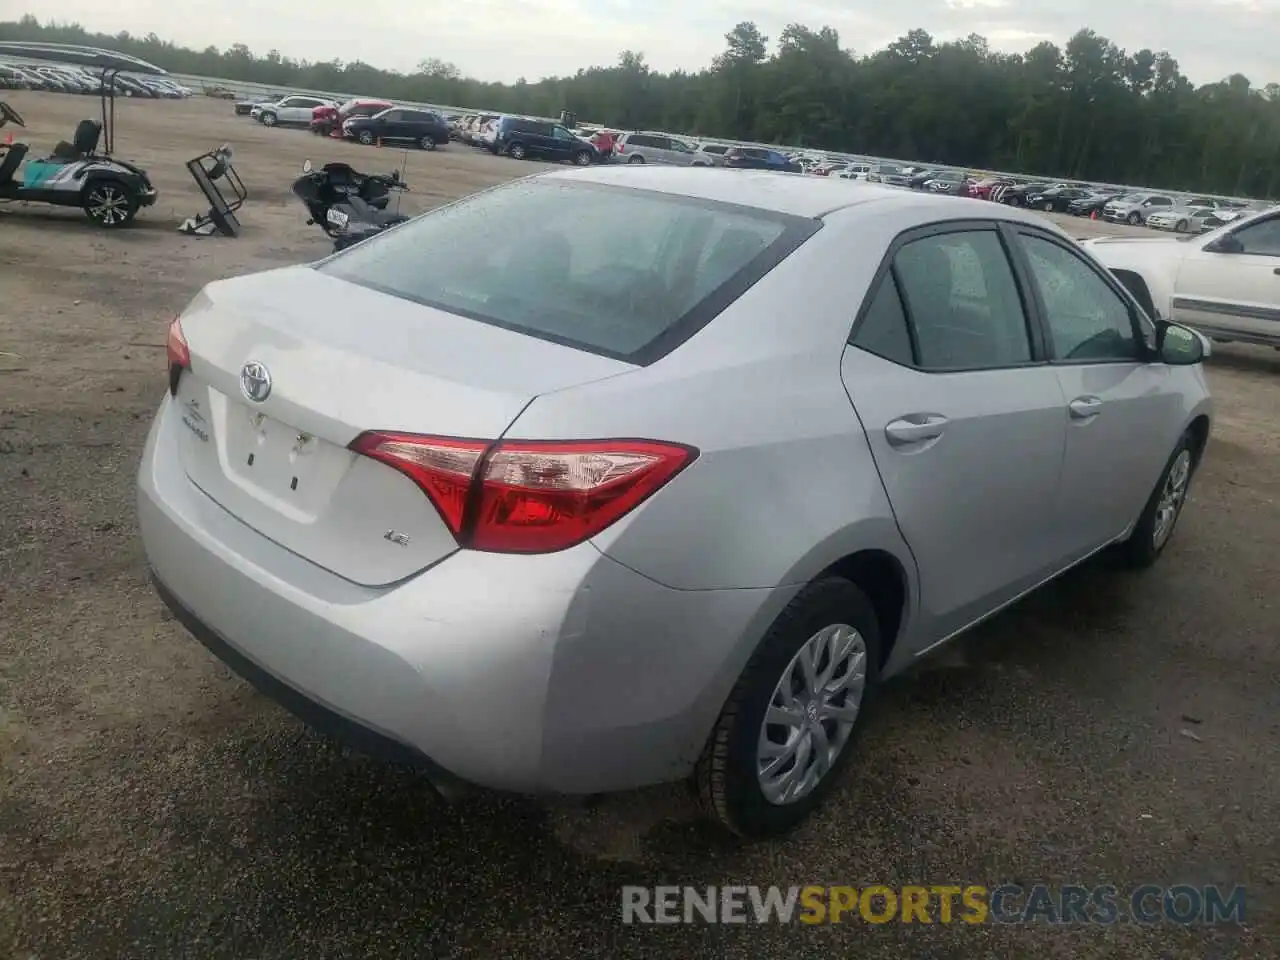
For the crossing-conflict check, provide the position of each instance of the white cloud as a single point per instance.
(504, 39)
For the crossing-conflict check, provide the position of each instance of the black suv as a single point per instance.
(521, 138)
(399, 125)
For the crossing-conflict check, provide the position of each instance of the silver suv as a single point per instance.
(1134, 208)
(710, 155)
(646, 147)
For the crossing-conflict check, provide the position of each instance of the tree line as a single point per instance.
(1086, 110)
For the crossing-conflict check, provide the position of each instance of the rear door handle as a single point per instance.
(915, 428)
(1085, 408)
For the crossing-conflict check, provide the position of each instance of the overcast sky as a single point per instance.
(506, 39)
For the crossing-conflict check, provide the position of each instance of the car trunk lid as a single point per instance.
(331, 360)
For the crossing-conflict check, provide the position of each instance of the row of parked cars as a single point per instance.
(366, 120)
(371, 120)
(547, 139)
(60, 78)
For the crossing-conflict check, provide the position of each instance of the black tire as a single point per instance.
(428, 142)
(516, 151)
(725, 778)
(1182, 226)
(267, 119)
(1015, 201)
(1134, 219)
(110, 203)
(582, 158)
(366, 137)
(636, 159)
(1144, 547)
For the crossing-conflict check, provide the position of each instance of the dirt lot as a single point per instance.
(151, 805)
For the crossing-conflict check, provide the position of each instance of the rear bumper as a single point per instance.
(371, 742)
(564, 673)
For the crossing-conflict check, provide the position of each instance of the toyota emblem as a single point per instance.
(255, 381)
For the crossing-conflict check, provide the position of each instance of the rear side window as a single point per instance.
(884, 329)
(963, 301)
(546, 258)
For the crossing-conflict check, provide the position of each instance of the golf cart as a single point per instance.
(81, 173)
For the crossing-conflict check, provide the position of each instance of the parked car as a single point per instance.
(982, 189)
(758, 158)
(288, 111)
(423, 128)
(1185, 219)
(1223, 283)
(327, 119)
(1092, 203)
(645, 146)
(1133, 208)
(452, 507)
(11, 78)
(1020, 193)
(950, 182)
(855, 170)
(710, 154)
(890, 174)
(522, 138)
(1057, 199)
(603, 141)
(921, 177)
(253, 106)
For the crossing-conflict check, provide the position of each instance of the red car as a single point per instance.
(982, 189)
(603, 141)
(327, 121)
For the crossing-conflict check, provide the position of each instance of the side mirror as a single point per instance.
(1178, 346)
(1227, 244)
(306, 166)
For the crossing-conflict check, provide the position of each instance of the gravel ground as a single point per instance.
(152, 805)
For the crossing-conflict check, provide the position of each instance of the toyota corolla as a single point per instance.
(611, 477)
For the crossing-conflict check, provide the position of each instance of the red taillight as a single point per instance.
(525, 496)
(179, 354)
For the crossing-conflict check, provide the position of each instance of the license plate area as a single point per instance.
(295, 469)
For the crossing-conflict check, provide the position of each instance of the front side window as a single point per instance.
(560, 133)
(963, 301)
(1088, 321)
(1261, 238)
(548, 259)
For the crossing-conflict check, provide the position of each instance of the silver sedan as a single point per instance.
(546, 505)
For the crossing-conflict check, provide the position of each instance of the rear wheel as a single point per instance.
(784, 734)
(427, 143)
(636, 159)
(110, 203)
(516, 150)
(268, 119)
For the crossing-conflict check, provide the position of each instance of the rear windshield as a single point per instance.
(616, 271)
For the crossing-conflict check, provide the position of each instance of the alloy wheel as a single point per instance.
(811, 714)
(1172, 497)
(108, 205)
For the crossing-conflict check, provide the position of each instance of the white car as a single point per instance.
(294, 111)
(1225, 283)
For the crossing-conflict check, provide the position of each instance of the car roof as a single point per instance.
(791, 193)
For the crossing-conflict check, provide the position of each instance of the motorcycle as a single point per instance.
(347, 205)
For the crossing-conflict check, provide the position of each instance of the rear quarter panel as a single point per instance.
(784, 484)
